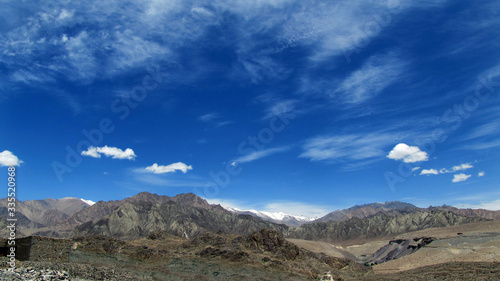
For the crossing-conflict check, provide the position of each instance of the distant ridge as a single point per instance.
(394, 208)
(381, 225)
(368, 210)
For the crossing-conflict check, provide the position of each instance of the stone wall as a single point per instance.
(36, 248)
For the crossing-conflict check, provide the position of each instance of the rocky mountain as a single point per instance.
(279, 217)
(185, 215)
(102, 209)
(368, 210)
(395, 208)
(379, 225)
(40, 213)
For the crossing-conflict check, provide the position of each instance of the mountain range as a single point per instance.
(188, 215)
(150, 235)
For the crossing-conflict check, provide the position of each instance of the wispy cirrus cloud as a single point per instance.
(151, 31)
(258, 154)
(208, 117)
(281, 107)
(376, 74)
(484, 130)
(346, 147)
(214, 119)
(159, 180)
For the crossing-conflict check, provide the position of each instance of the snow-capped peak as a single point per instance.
(278, 217)
(89, 202)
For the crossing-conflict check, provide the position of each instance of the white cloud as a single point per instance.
(444, 171)
(460, 177)
(409, 154)
(258, 154)
(92, 152)
(481, 174)
(415, 168)
(159, 169)
(429, 172)
(7, 158)
(488, 205)
(462, 167)
(113, 152)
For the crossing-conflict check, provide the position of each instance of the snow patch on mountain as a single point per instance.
(277, 217)
(89, 202)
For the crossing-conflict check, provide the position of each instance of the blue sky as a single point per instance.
(295, 106)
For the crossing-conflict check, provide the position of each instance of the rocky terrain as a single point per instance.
(262, 255)
(478, 242)
(399, 248)
(153, 237)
